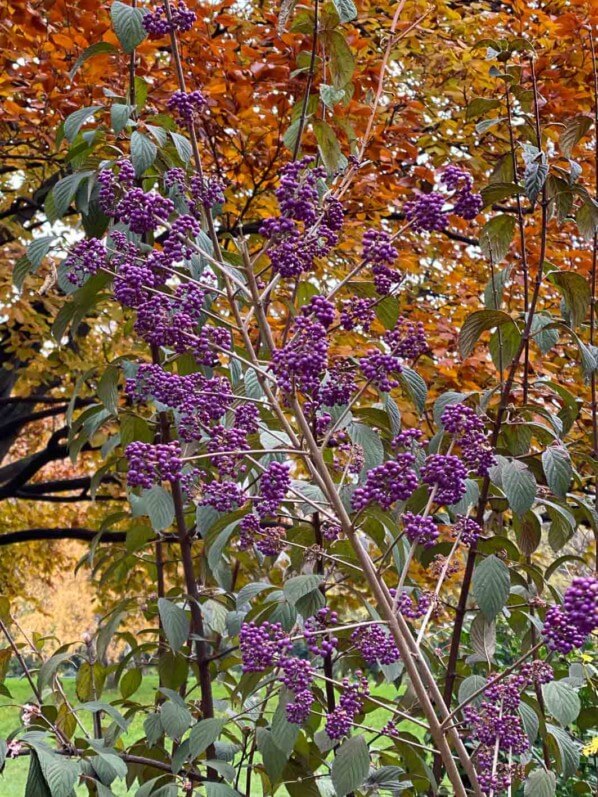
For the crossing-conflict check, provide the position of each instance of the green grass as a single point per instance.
(14, 777)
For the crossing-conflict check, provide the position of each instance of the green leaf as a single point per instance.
(157, 504)
(558, 469)
(99, 48)
(127, 22)
(38, 249)
(531, 723)
(575, 129)
(330, 96)
(182, 146)
(220, 790)
(545, 337)
(143, 152)
(540, 783)
(476, 323)
(351, 766)
(345, 9)
(566, 749)
(493, 292)
(204, 734)
(482, 637)
(113, 713)
(60, 773)
(153, 728)
(587, 219)
(487, 124)
(299, 586)
(479, 106)
(536, 172)
(49, 668)
(119, 116)
(491, 584)
(74, 122)
(175, 719)
(561, 701)
(175, 622)
(64, 191)
(415, 387)
(108, 388)
(496, 237)
(519, 486)
(496, 191)
(470, 686)
(370, 442)
(275, 759)
(329, 147)
(130, 682)
(576, 293)
(342, 60)
(36, 785)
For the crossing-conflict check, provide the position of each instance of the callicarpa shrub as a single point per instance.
(301, 532)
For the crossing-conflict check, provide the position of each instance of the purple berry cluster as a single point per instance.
(298, 676)
(340, 721)
(568, 626)
(301, 362)
(268, 539)
(339, 385)
(150, 463)
(468, 430)
(429, 211)
(426, 212)
(320, 644)
(206, 192)
(446, 473)
(467, 529)
(157, 24)
(321, 309)
(357, 312)
(274, 485)
(142, 211)
(409, 439)
(223, 496)
(392, 481)
(407, 339)
(375, 645)
(420, 529)
(378, 367)
(413, 609)
(84, 260)
(262, 645)
(187, 106)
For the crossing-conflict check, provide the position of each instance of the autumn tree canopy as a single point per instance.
(298, 371)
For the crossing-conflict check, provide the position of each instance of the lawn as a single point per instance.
(14, 777)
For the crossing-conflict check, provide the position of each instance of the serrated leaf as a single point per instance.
(478, 322)
(351, 765)
(545, 338)
(558, 469)
(36, 785)
(119, 116)
(274, 758)
(576, 293)
(127, 22)
(330, 96)
(531, 723)
(345, 9)
(204, 734)
(329, 147)
(587, 219)
(130, 682)
(175, 622)
(496, 237)
(342, 60)
(182, 146)
(108, 388)
(479, 106)
(540, 783)
(482, 636)
(157, 504)
(491, 584)
(519, 486)
(299, 586)
(175, 719)
(59, 772)
(64, 191)
(536, 172)
(415, 386)
(153, 728)
(38, 249)
(567, 750)
(99, 48)
(470, 686)
(561, 701)
(575, 129)
(74, 122)
(495, 192)
(143, 152)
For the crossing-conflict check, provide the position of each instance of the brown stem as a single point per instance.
(310, 77)
(500, 414)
